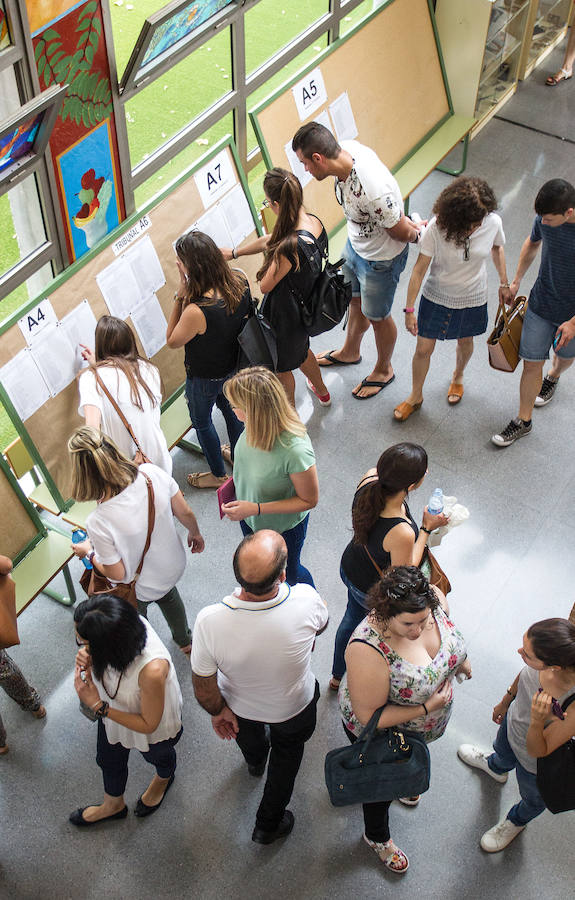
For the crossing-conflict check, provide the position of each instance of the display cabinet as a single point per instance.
(546, 24)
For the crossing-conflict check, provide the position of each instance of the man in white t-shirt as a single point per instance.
(251, 666)
(376, 250)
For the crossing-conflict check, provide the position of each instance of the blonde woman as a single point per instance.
(118, 527)
(275, 475)
(135, 385)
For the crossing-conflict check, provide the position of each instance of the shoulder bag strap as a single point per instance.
(373, 562)
(570, 699)
(151, 521)
(371, 727)
(121, 415)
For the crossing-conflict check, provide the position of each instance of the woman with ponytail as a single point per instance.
(384, 534)
(288, 267)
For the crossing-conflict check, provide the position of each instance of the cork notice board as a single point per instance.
(164, 220)
(17, 529)
(390, 68)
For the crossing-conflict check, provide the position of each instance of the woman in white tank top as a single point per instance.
(126, 677)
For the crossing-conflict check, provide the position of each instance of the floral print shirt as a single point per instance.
(411, 685)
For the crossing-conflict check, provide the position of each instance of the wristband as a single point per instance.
(102, 710)
(234, 253)
(177, 298)
(426, 709)
(510, 692)
(409, 309)
(91, 556)
(259, 510)
(427, 530)
(504, 284)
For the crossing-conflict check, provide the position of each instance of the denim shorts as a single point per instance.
(374, 281)
(537, 339)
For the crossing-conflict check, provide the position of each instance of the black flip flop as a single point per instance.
(333, 361)
(378, 384)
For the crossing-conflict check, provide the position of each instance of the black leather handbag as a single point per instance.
(380, 765)
(556, 774)
(257, 340)
(329, 299)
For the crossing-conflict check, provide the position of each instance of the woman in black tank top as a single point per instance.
(384, 534)
(293, 259)
(209, 311)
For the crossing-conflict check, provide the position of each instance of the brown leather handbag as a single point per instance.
(140, 456)
(8, 624)
(503, 342)
(94, 582)
(436, 576)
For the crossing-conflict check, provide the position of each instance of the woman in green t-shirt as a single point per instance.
(275, 476)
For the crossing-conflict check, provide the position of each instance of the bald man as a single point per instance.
(251, 666)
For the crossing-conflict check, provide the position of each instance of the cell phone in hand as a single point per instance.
(556, 340)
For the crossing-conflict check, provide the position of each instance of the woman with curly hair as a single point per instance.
(384, 534)
(293, 259)
(464, 231)
(402, 657)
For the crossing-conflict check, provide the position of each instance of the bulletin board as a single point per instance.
(45, 432)
(21, 528)
(390, 66)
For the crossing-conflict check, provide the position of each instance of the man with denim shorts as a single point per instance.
(376, 249)
(550, 317)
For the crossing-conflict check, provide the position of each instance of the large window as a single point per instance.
(273, 24)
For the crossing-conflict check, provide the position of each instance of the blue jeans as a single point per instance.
(113, 760)
(294, 537)
(355, 612)
(201, 395)
(503, 760)
(374, 281)
(537, 337)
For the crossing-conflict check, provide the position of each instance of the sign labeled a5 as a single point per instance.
(215, 178)
(309, 93)
(36, 319)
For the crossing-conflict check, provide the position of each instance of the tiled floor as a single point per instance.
(510, 565)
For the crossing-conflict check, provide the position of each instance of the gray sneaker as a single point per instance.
(548, 388)
(517, 428)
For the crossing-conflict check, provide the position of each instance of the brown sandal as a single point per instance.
(455, 391)
(205, 480)
(404, 410)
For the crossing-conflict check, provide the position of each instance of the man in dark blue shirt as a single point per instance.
(550, 317)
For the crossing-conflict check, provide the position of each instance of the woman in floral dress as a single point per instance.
(419, 651)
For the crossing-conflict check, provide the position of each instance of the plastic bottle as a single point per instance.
(77, 537)
(435, 505)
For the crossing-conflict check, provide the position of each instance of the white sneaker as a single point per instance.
(477, 758)
(498, 837)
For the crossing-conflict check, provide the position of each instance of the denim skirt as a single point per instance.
(443, 324)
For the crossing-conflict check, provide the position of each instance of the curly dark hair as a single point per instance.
(461, 205)
(398, 468)
(401, 589)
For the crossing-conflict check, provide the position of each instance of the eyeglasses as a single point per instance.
(338, 192)
(267, 203)
(466, 246)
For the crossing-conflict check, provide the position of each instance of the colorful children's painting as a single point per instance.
(180, 25)
(88, 183)
(5, 40)
(19, 142)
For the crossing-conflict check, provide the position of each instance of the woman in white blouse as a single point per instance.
(135, 385)
(464, 231)
(125, 675)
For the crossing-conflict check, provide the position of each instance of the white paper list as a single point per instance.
(343, 118)
(296, 166)
(214, 224)
(238, 215)
(150, 324)
(146, 266)
(55, 357)
(79, 326)
(24, 384)
(119, 288)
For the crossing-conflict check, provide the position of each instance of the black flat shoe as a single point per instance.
(77, 817)
(283, 829)
(141, 809)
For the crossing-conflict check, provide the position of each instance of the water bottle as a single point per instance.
(435, 505)
(77, 537)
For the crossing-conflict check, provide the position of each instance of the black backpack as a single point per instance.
(329, 299)
(556, 774)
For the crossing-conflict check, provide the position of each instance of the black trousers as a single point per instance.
(287, 741)
(113, 760)
(375, 815)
